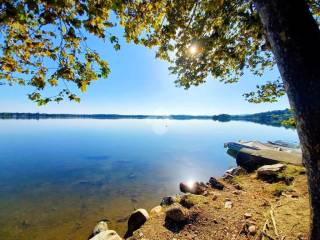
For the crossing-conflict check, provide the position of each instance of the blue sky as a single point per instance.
(141, 84)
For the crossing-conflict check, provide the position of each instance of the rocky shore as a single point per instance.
(268, 203)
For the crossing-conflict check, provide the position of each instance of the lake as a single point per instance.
(59, 177)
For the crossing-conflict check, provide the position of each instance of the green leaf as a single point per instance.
(116, 46)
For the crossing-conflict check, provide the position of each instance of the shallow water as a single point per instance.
(59, 177)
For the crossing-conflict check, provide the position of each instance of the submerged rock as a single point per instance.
(100, 227)
(136, 220)
(106, 235)
(214, 183)
(192, 187)
(177, 213)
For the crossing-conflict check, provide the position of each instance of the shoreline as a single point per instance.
(239, 205)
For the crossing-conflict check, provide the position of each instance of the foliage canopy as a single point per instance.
(43, 43)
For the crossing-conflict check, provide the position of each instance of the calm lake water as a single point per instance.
(59, 177)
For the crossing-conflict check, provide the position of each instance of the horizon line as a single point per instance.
(137, 114)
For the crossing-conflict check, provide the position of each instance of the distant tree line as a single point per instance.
(274, 118)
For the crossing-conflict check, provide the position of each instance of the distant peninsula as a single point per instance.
(273, 118)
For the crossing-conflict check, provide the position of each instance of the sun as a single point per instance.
(193, 49)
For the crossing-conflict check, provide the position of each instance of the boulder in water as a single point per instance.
(100, 227)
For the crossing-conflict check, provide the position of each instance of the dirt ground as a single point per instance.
(275, 210)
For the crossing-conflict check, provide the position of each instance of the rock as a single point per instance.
(236, 171)
(252, 162)
(237, 186)
(252, 229)
(166, 201)
(228, 204)
(192, 187)
(270, 173)
(214, 197)
(272, 168)
(106, 235)
(236, 192)
(156, 210)
(247, 215)
(227, 176)
(136, 220)
(214, 183)
(205, 193)
(100, 227)
(25, 223)
(177, 213)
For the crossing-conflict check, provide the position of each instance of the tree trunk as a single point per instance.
(295, 41)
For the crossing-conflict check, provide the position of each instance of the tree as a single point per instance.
(200, 38)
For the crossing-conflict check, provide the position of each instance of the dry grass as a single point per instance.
(276, 216)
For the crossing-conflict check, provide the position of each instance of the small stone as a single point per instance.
(205, 193)
(136, 220)
(247, 215)
(215, 221)
(106, 235)
(236, 192)
(156, 210)
(252, 229)
(228, 204)
(238, 187)
(166, 201)
(25, 223)
(236, 171)
(227, 176)
(100, 227)
(214, 197)
(177, 213)
(214, 183)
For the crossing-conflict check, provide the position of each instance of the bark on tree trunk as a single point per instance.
(295, 40)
